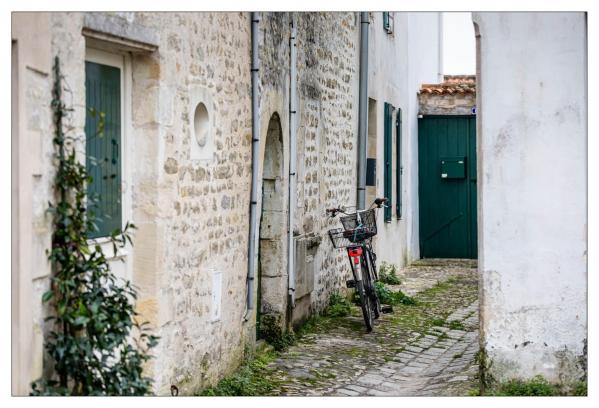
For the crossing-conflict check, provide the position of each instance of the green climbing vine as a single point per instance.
(96, 344)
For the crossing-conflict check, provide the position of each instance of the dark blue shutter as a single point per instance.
(103, 159)
(388, 147)
(399, 169)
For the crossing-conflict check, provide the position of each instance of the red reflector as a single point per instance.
(355, 252)
(356, 260)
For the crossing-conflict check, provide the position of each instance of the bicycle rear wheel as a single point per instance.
(365, 304)
(370, 287)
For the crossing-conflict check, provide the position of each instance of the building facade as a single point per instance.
(177, 90)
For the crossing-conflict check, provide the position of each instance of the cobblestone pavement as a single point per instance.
(423, 349)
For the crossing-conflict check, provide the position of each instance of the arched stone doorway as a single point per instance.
(272, 273)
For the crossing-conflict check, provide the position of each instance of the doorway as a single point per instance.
(272, 273)
(447, 186)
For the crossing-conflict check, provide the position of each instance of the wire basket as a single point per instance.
(342, 238)
(368, 222)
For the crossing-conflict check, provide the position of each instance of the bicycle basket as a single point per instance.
(367, 228)
(342, 238)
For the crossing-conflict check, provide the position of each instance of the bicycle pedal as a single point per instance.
(386, 309)
(351, 283)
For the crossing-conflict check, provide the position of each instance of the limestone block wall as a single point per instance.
(190, 250)
(456, 104)
(327, 82)
(195, 204)
(532, 172)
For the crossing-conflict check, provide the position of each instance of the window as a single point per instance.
(104, 139)
(388, 148)
(388, 21)
(399, 168)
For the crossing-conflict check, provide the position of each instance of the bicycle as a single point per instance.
(356, 235)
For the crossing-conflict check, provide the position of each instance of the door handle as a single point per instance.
(115, 151)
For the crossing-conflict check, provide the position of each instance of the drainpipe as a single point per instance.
(363, 109)
(292, 158)
(440, 50)
(255, 154)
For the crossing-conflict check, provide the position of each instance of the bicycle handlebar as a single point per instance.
(379, 202)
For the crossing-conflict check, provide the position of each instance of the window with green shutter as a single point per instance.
(399, 168)
(103, 143)
(388, 148)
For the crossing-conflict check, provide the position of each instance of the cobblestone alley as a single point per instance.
(423, 349)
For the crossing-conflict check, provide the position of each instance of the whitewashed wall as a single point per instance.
(398, 64)
(532, 143)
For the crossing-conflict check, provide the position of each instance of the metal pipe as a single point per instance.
(440, 48)
(363, 109)
(292, 157)
(255, 153)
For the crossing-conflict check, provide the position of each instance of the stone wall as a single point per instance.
(446, 104)
(190, 198)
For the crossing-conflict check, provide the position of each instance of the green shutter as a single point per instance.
(103, 159)
(386, 20)
(399, 169)
(388, 175)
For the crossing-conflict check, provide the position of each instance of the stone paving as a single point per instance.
(427, 349)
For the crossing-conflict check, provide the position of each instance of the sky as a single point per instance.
(459, 46)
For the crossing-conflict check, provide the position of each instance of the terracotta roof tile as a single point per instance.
(462, 84)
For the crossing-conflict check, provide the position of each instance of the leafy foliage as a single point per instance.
(269, 328)
(389, 297)
(97, 345)
(456, 325)
(251, 379)
(388, 274)
(339, 306)
(536, 386)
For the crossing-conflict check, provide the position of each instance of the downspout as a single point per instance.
(292, 158)
(255, 153)
(363, 109)
(440, 50)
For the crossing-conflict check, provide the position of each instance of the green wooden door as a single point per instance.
(447, 186)
(103, 143)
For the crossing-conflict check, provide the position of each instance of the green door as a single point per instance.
(447, 186)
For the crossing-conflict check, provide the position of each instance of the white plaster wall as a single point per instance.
(532, 174)
(398, 64)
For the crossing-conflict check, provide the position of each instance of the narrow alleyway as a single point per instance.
(423, 349)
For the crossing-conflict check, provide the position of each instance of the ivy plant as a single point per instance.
(96, 344)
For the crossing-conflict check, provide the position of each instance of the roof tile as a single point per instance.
(463, 84)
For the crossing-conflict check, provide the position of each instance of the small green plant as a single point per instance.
(339, 306)
(250, 380)
(536, 386)
(456, 325)
(438, 322)
(96, 344)
(271, 331)
(388, 274)
(580, 389)
(389, 297)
